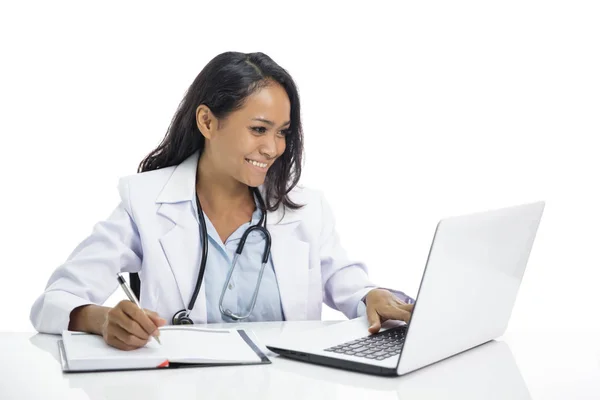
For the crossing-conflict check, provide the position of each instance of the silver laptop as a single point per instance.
(475, 266)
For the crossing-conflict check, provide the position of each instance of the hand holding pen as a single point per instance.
(128, 326)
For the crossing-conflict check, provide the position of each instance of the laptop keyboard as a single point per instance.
(379, 346)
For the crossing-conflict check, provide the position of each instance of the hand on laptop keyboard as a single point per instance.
(383, 305)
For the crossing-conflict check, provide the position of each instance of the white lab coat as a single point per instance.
(154, 231)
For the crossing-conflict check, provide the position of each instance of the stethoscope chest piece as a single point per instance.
(181, 318)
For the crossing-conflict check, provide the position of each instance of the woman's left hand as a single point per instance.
(383, 305)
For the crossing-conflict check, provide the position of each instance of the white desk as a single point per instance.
(536, 367)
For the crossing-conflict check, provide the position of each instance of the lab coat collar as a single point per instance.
(181, 187)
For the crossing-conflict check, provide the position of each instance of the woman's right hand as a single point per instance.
(127, 327)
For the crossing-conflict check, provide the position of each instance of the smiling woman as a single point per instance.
(223, 182)
(251, 102)
(243, 146)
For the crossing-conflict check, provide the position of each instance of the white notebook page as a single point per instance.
(89, 352)
(79, 346)
(179, 344)
(193, 344)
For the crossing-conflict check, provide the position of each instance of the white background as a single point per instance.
(412, 112)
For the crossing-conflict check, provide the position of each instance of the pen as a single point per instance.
(130, 294)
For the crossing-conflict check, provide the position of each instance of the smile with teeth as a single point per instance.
(257, 164)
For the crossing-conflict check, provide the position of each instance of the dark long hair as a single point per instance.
(223, 85)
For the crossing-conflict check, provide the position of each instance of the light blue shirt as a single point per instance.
(238, 295)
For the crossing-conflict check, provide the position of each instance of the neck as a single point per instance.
(220, 193)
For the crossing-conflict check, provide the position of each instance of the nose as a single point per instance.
(268, 147)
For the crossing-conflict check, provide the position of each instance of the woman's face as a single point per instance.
(246, 143)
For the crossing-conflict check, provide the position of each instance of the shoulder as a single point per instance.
(156, 177)
(148, 184)
(310, 199)
(301, 194)
(312, 204)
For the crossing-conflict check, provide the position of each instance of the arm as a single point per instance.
(88, 318)
(89, 274)
(345, 282)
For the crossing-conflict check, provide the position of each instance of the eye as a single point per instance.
(285, 132)
(259, 129)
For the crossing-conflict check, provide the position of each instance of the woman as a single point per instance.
(233, 150)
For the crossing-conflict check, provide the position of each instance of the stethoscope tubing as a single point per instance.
(182, 316)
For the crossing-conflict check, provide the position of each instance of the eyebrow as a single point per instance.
(266, 121)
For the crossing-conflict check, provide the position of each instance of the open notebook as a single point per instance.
(182, 346)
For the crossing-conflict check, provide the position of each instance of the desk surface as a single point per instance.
(533, 367)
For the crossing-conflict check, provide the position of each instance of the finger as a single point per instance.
(127, 338)
(404, 306)
(395, 312)
(158, 321)
(139, 316)
(374, 320)
(128, 323)
(118, 343)
(409, 307)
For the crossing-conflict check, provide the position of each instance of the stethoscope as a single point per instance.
(182, 317)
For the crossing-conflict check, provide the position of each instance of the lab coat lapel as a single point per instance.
(290, 257)
(180, 240)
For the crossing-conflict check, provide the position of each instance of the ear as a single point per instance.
(206, 121)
